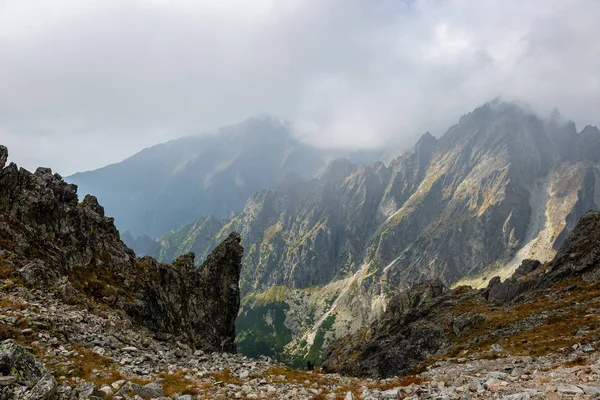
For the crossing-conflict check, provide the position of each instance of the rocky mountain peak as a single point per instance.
(3, 156)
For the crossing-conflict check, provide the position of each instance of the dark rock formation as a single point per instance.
(55, 240)
(581, 253)
(207, 299)
(504, 292)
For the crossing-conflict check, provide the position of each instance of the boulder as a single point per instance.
(44, 389)
(17, 361)
(37, 273)
(149, 391)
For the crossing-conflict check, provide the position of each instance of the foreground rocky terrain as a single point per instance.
(53, 350)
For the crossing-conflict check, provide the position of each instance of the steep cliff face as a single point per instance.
(198, 303)
(539, 310)
(500, 186)
(48, 239)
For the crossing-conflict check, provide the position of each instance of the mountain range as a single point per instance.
(325, 255)
(175, 183)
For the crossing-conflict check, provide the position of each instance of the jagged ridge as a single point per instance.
(50, 240)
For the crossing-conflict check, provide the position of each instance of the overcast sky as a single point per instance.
(84, 83)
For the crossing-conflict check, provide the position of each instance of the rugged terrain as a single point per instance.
(50, 241)
(325, 256)
(95, 353)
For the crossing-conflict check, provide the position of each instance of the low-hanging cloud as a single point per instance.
(88, 82)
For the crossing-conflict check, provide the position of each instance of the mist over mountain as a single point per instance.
(171, 184)
(500, 186)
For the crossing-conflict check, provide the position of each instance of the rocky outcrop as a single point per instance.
(429, 320)
(581, 253)
(499, 292)
(53, 240)
(201, 304)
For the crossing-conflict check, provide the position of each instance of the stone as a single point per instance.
(590, 390)
(498, 375)
(106, 392)
(149, 391)
(497, 348)
(17, 361)
(587, 348)
(569, 389)
(37, 273)
(244, 374)
(349, 396)
(44, 389)
(7, 380)
(84, 390)
(390, 394)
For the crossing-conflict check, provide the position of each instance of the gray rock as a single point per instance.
(569, 389)
(244, 374)
(44, 389)
(106, 392)
(590, 390)
(84, 390)
(497, 348)
(37, 273)
(587, 348)
(7, 380)
(17, 361)
(149, 391)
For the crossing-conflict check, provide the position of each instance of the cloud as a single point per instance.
(88, 82)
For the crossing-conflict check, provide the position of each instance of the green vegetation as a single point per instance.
(261, 330)
(314, 354)
(274, 294)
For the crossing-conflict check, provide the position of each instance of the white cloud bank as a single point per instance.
(88, 82)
